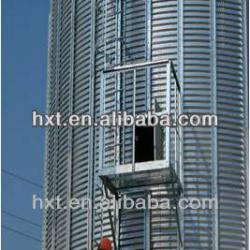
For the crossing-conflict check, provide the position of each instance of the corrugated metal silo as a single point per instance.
(206, 40)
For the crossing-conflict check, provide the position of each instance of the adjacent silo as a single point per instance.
(206, 40)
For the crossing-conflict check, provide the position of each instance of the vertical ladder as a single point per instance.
(117, 14)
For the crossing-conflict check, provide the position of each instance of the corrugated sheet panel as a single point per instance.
(80, 135)
(197, 158)
(164, 46)
(231, 133)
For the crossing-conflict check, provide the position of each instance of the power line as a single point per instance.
(21, 218)
(21, 178)
(21, 233)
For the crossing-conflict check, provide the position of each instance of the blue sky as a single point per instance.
(24, 65)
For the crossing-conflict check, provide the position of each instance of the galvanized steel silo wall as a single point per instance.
(215, 159)
(206, 40)
(232, 92)
(67, 160)
(211, 65)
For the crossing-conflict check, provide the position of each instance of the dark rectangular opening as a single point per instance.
(144, 144)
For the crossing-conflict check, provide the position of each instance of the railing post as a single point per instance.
(134, 113)
(168, 109)
(175, 129)
(101, 129)
(147, 226)
(148, 43)
(118, 47)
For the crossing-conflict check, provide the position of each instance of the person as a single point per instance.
(105, 244)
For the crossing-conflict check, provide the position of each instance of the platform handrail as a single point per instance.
(170, 71)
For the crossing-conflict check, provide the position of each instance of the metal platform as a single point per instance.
(124, 177)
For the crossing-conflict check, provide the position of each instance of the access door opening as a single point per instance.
(149, 143)
(144, 144)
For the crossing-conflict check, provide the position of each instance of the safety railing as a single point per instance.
(112, 86)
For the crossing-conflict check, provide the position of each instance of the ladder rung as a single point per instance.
(115, 13)
(118, 12)
(115, 39)
(118, 90)
(113, 146)
(119, 39)
(98, 214)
